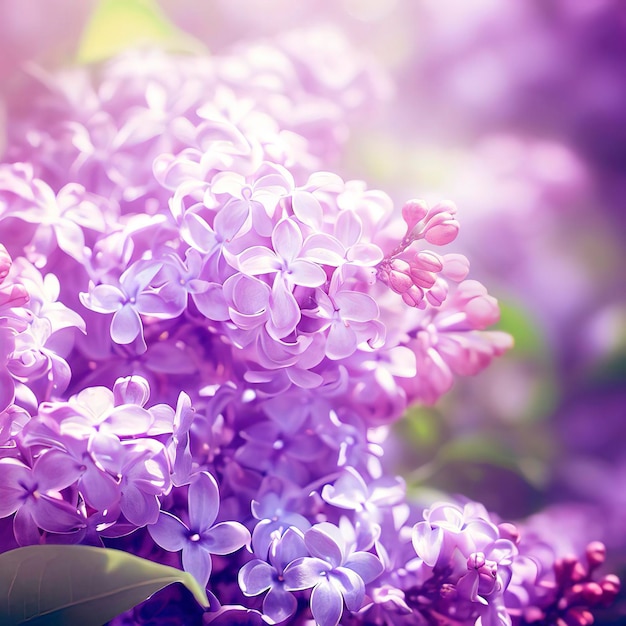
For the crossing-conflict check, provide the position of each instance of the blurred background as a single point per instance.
(515, 110)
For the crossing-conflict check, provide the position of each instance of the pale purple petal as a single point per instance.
(305, 573)
(25, 528)
(322, 544)
(324, 249)
(204, 502)
(197, 233)
(126, 325)
(56, 516)
(355, 306)
(258, 260)
(105, 299)
(279, 604)
(169, 532)
(12, 473)
(197, 562)
(366, 565)
(348, 228)
(306, 274)
(139, 507)
(225, 537)
(231, 218)
(427, 542)
(290, 547)
(326, 604)
(255, 577)
(285, 312)
(307, 209)
(341, 341)
(55, 470)
(287, 240)
(352, 587)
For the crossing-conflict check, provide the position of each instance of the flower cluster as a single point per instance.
(202, 332)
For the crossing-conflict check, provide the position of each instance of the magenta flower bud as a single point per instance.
(568, 570)
(5, 262)
(596, 554)
(131, 390)
(591, 593)
(428, 261)
(441, 227)
(456, 267)
(578, 617)
(610, 586)
(413, 212)
(476, 560)
(400, 282)
(413, 297)
(509, 531)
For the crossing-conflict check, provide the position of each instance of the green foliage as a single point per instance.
(55, 585)
(120, 24)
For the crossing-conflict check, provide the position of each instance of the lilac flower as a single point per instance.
(201, 538)
(258, 576)
(290, 269)
(34, 495)
(129, 300)
(334, 570)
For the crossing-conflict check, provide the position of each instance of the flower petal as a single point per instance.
(326, 604)
(197, 562)
(204, 502)
(169, 532)
(255, 577)
(126, 325)
(279, 605)
(304, 573)
(226, 537)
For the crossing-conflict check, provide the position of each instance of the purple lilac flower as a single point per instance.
(335, 571)
(201, 538)
(253, 324)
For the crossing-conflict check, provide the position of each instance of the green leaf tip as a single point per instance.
(61, 585)
(120, 24)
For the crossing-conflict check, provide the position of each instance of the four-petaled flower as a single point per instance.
(201, 538)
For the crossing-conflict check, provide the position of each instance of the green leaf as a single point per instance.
(53, 585)
(119, 24)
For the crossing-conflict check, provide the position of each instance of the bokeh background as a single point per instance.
(515, 110)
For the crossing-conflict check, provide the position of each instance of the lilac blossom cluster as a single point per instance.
(204, 336)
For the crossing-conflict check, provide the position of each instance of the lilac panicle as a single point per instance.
(204, 336)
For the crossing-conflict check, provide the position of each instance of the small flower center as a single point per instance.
(195, 537)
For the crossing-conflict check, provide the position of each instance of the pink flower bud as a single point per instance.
(476, 560)
(455, 267)
(400, 282)
(429, 261)
(441, 226)
(509, 531)
(438, 293)
(413, 212)
(611, 586)
(131, 390)
(596, 554)
(414, 297)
